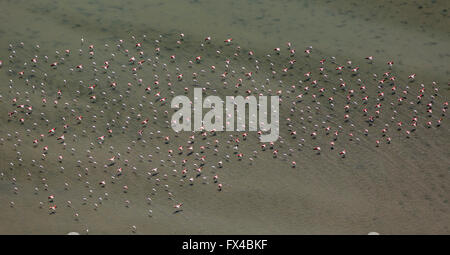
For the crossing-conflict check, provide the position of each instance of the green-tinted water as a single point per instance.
(401, 190)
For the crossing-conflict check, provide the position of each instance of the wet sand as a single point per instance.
(396, 188)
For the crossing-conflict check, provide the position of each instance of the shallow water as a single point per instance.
(402, 188)
(416, 34)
